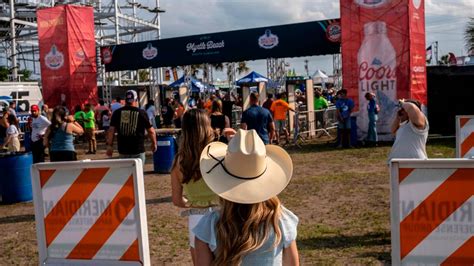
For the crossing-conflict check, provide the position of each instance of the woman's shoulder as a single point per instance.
(12, 128)
(205, 230)
(288, 216)
(288, 224)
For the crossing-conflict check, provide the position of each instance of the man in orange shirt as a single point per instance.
(208, 104)
(279, 110)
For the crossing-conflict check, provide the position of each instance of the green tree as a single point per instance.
(444, 60)
(240, 68)
(469, 35)
(4, 73)
(26, 74)
(143, 75)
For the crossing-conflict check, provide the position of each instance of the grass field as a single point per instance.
(341, 197)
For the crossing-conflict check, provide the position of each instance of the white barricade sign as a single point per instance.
(432, 212)
(91, 213)
(465, 136)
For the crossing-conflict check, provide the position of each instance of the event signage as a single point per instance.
(204, 46)
(67, 55)
(333, 32)
(383, 52)
(268, 40)
(292, 40)
(432, 212)
(465, 136)
(54, 59)
(91, 213)
(149, 52)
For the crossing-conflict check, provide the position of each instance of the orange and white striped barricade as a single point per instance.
(465, 136)
(91, 213)
(432, 212)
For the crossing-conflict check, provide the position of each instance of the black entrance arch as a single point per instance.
(291, 40)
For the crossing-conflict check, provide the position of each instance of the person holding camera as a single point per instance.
(410, 128)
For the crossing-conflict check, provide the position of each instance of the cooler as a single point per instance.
(166, 150)
(15, 180)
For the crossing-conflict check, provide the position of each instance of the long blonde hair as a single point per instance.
(196, 133)
(243, 228)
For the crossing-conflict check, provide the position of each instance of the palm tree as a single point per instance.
(469, 36)
(241, 68)
(444, 60)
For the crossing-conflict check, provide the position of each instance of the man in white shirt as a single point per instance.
(411, 131)
(39, 124)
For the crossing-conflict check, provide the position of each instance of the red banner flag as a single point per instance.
(383, 52)
(67, 55)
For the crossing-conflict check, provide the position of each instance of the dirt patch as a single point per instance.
(340, 196)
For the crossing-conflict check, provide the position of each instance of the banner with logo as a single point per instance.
(67, 55)
(383, 52)
(293, 40)
(54, 59)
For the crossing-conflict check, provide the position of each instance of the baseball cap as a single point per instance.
(34, 107)
(131, 96)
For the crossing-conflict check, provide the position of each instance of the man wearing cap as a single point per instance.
(410, 128)
(39, 124)
(258, 118)
(130, 123)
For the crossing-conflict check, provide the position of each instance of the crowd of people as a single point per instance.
(234, 214)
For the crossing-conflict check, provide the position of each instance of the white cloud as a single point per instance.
(445, 20)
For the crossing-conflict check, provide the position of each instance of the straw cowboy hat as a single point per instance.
(246, 171)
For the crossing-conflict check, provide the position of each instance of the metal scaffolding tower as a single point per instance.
(337, 71)
(116, 21)
(276, 71)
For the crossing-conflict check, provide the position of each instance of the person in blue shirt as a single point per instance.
(344, 107)
(258, 118)
(372, 111)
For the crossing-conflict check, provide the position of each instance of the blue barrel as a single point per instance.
(164, 154)
(15, 180)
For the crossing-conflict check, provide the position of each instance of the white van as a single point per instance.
(25, 94)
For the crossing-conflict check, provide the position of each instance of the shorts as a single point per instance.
(345, 124)
(193, 220)
(62, 156)
(90, 133)
(280, 125)
(141, 156)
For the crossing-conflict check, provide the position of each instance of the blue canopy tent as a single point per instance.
(196, 85)
(252, 78)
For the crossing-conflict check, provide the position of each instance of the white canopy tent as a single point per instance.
(320, 78)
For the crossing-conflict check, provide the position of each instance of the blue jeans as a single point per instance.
(372, 131)
(139, 156)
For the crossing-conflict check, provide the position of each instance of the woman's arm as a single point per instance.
(290, 255)
(76, 128)
(227, 122)
(46, 137)
(415, 115)
(177, 188)
(203, 253)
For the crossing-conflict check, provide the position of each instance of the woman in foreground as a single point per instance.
(251, 227)
(188, 188)
(59, 136)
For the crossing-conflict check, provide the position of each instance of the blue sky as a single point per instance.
(445, 21)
